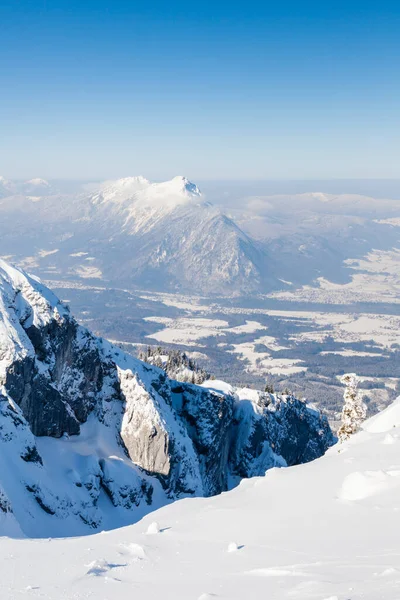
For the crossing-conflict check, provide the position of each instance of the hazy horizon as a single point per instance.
(224, 191)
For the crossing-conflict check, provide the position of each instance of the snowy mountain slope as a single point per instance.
(196, 248)
(165, 236)
(139, 191)
(158, 235)
(321, 531)
(172, 238)
(92, 438)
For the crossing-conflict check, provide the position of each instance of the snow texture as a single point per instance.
(325, 530)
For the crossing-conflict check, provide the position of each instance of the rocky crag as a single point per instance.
(92, 438)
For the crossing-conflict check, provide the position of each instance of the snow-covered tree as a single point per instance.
(177, 364)
(354, 410)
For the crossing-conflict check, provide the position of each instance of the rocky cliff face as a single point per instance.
(93, 438)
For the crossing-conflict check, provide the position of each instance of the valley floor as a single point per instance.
(326, 530)
(298, 346)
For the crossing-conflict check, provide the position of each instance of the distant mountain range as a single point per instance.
(162, 236)
(33, 186)
(132, 233)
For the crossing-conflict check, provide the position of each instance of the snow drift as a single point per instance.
(325, 530)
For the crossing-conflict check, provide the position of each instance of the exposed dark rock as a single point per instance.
(32, 455)
(208, 419)
(276, 430)
(35, 490)
(5, 505)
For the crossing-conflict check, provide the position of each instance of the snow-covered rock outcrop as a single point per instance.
(91, 437)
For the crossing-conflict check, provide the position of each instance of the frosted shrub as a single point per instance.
(354, 410)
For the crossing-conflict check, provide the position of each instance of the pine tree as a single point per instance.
(354, 410)
(269, 388)
(175, 363)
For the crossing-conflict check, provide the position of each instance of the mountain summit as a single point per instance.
(140, 190)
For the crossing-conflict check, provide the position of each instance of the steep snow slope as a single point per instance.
(322, 531)
(92, 438)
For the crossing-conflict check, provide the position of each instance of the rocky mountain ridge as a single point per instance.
(94, 438)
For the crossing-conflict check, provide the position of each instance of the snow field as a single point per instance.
(320, 531)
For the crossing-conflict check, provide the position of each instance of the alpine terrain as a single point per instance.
(163, 236)
(320, 531)
(92, 438)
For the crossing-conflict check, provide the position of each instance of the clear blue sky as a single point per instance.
(282, 89)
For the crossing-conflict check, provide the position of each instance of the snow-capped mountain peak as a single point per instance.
(38, 181)
(36, 187)
(119, 190)
(162, 234)
(181, 185)
(139, 190)
(176, 192)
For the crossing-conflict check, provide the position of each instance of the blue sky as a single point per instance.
(224, 90)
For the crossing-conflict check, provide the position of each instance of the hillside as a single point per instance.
(323, 531)
(92, 438)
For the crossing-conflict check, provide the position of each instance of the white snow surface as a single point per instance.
(144, 203)
(35, 304)
(388, 420)
(320, 531)
(138, 189)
